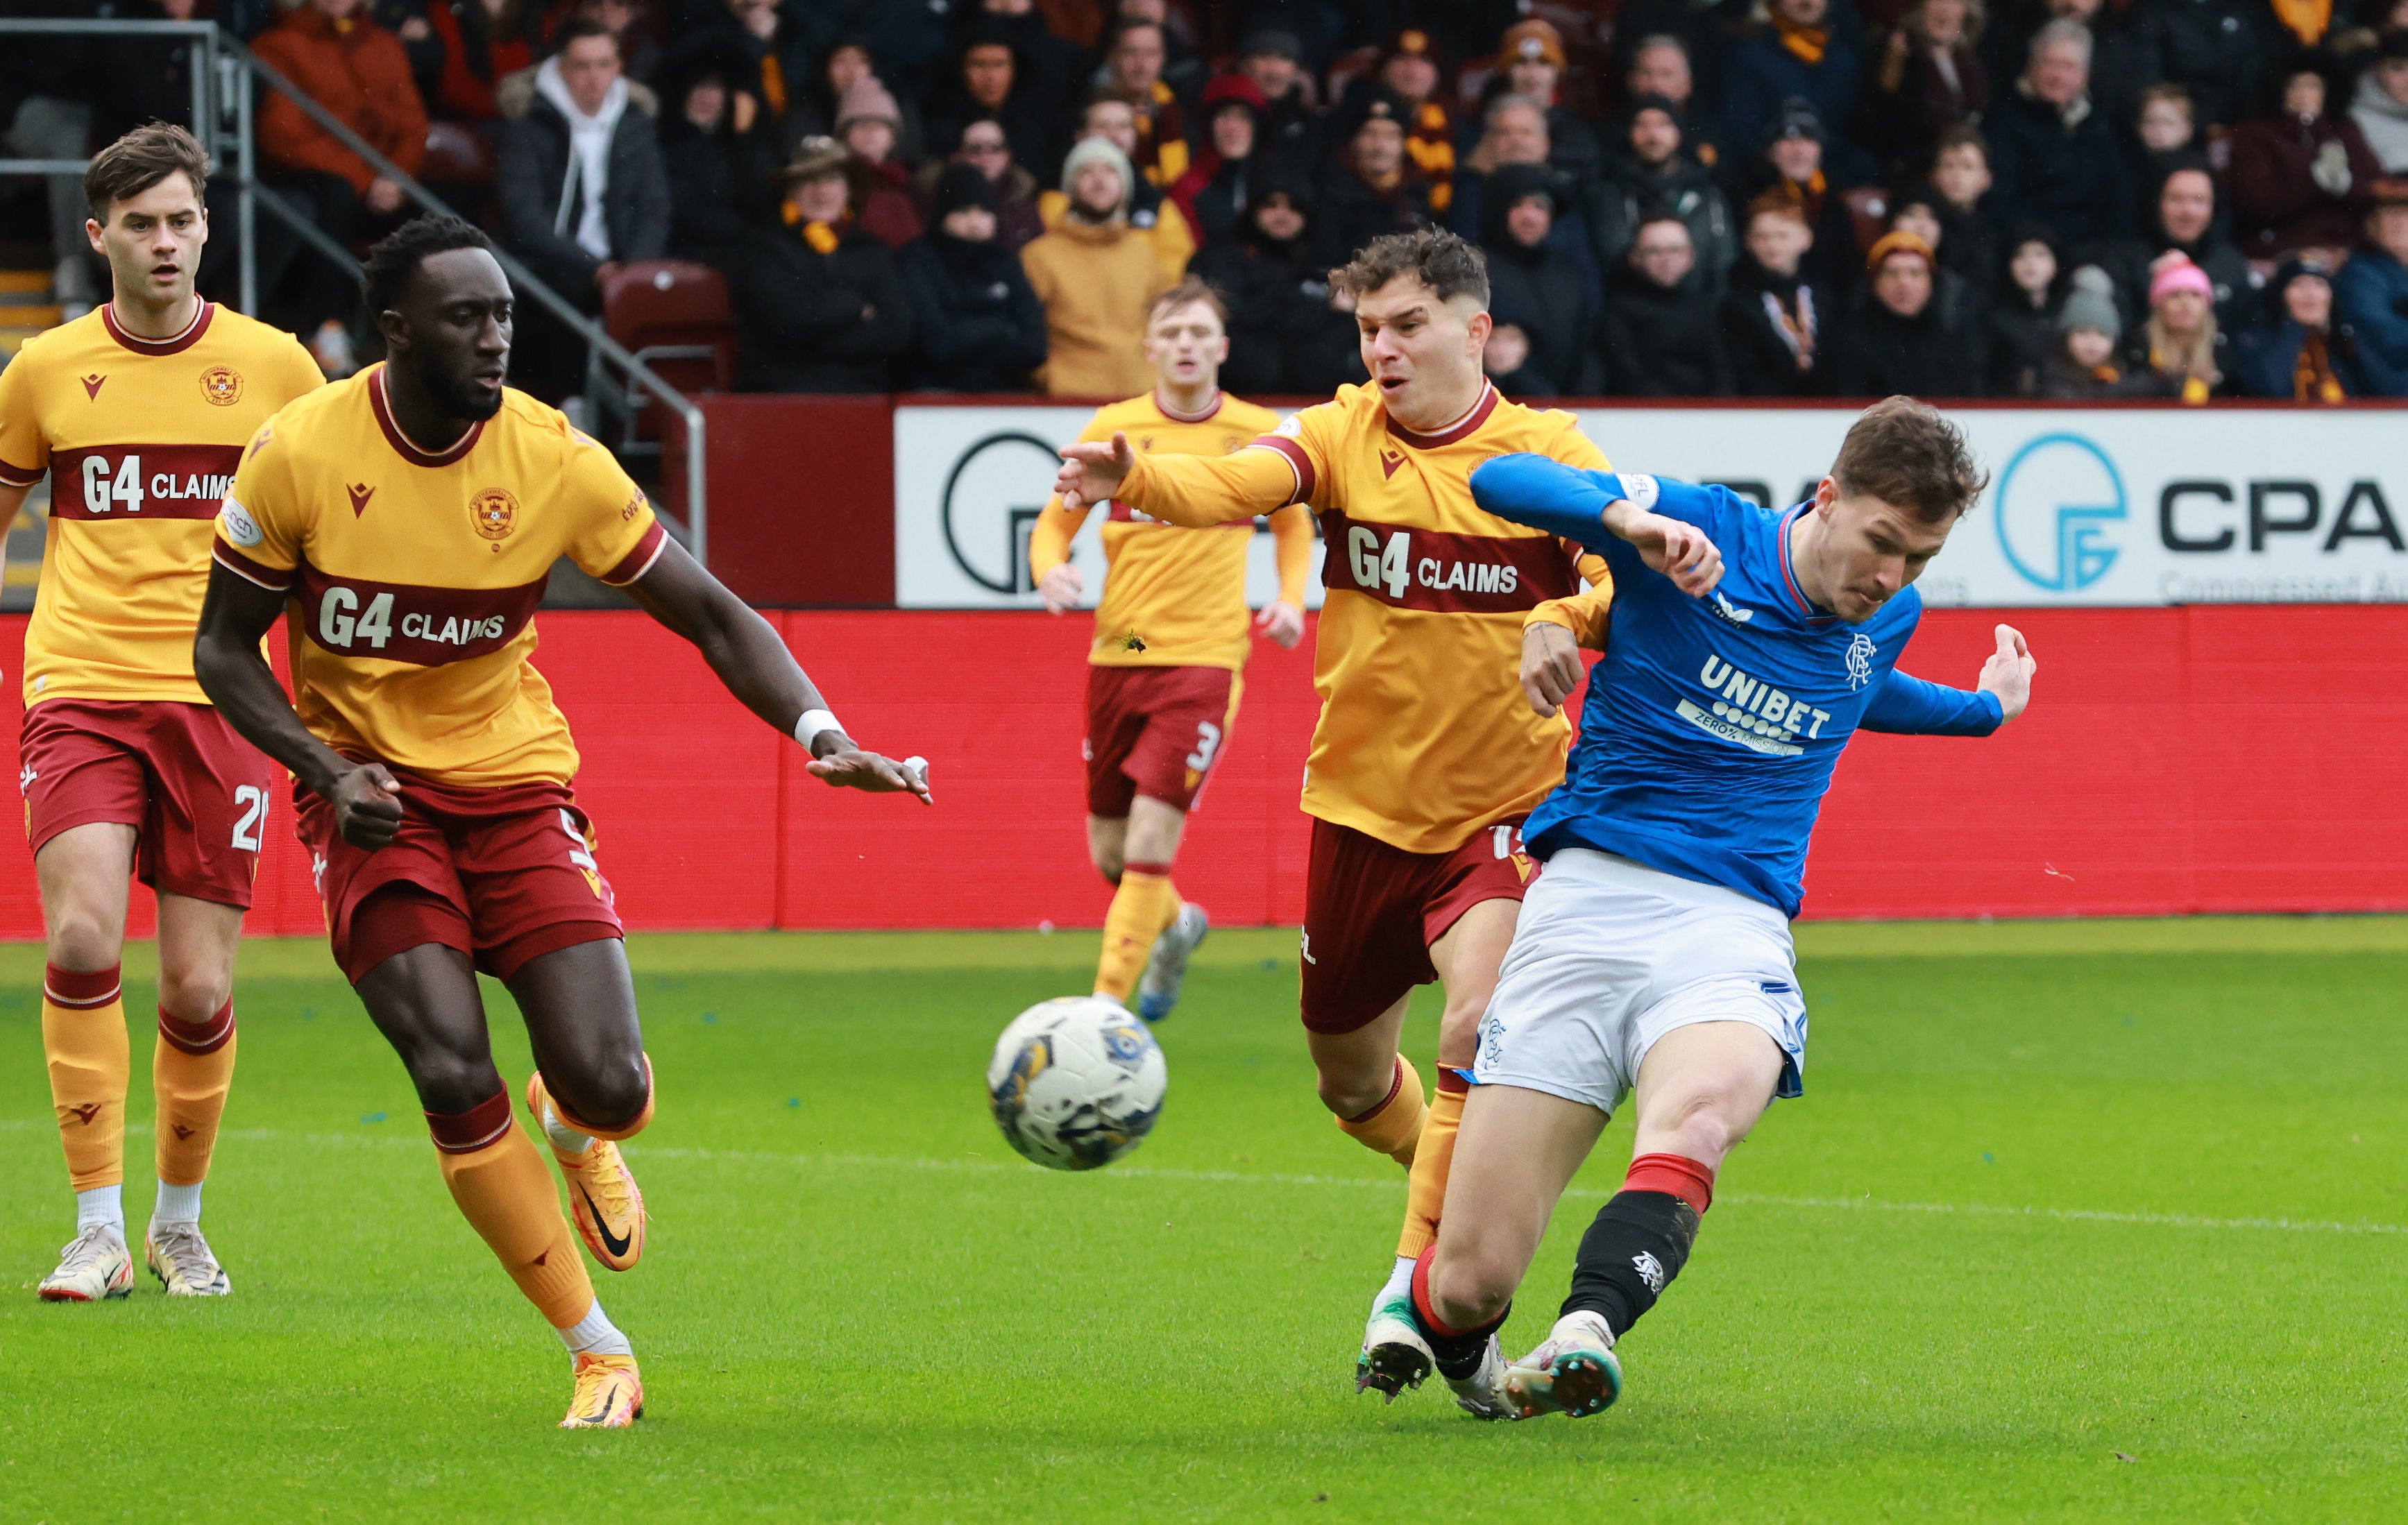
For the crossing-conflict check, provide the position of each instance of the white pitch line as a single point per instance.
(1243, 1178)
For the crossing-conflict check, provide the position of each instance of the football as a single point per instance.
(1076, 1082)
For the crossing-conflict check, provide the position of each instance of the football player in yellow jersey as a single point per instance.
(405, 522)
(1429, 752)
(139, 413)
(1170, 638)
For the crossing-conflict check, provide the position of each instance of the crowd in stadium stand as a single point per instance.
(2176, 199)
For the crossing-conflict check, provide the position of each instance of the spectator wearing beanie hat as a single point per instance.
(2180, 344)
(984, 143)
(1534, 288)
(2370, 294)
(1213, 192)
(1274, 61)
(2296, 351)
(822, 308)
(2020, 331)
(1410, 76)
(1108, 117)
(1372, 185)
(1790, 166)
(976, 323)
(868, 123)
(1096, 276)
(1288, 332)
(1796, 52)
(1651, 170)
(1530, 62)
(2085, 367)
(1893, 339)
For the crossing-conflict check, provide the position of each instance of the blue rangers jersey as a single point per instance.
(1710, 727)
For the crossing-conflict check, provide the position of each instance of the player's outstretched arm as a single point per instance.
(1598, 509)
(1910, 707)
(754, 663)
(1195, 491)
(235, 616)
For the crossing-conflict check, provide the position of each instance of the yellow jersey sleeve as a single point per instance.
(260, 528)
(1309, 441)
(616, 536)
(24, 454)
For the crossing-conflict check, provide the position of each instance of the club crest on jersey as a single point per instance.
(1860, 660)
(222, 385)
(494, 512)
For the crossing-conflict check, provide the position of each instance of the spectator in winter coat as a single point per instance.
(2371, 296)
(1534, 288)
(1660, 66)
(2164, 134)
(985, 147)
(989, 79)
(1213, 192)
(975, 326)
(1273, 59)
(718, 173)
(1096, 277)
(1288, 333)
(1149, 210)
(1959, 190)
(1530, 63)
(2180, 345)
(1797, 53)
(1953, 296)
(870, 123)
(2084, 366)
(1928, 79)
(2051, 152)
(2380, 107)
(482, 42)
(1772, 317)
(769, 61)
(1372, 187)
(2020, 335)
(2302, 178)
(1893, 340)
(1791, 167)
(846, 69)
(1048, 68)
(1655, 174)
(1661, 335)
(2296, 350)
(822, 308)
(2181, 216)
(1409, 77)
(1133, 72)
(2220, 50)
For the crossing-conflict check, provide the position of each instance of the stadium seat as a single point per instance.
(457, 155)
(1349, 69)
(1868, 210)
(676, 317)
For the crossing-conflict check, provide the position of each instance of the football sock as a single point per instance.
(1400, 1283)
(83, 1038)
(1458, 1350)
(190, 1067)
(1641, 1239)
(1426, 1193)
(506, 1192)
(176, 1203)
(595, 1335)
(101, 1204)
(1393, 1127)
(572, 1126)
(1145, 904)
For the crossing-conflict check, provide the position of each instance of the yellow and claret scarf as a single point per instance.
(822, 236)
(2106, 375)
(2312, 375)
(1796, 330)
(2306, 20)
(1807, 42)
(773, 85)
(1808, 195)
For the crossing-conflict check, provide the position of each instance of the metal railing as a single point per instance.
(224, 73)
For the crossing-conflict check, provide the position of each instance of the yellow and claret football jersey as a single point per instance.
(140, 437)
(1174, 597)
(1425, 735)
(414, 575)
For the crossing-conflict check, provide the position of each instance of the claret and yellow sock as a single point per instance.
(83, 1038)
(1427, 1194)
(1142, 907)
(1394, 1126)
(506, 1192)
(192, 1067)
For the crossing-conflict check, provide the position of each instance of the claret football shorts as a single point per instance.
(503, 875)
(1611, 955)
(1371, 911)
(177, 773)
(1156, 732)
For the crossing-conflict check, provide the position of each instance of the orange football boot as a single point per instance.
(604, 1201)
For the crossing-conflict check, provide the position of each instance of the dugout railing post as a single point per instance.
(224, 73)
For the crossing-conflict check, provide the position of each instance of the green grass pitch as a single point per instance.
(2076, 1221)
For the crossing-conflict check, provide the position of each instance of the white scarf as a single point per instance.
(589, 157)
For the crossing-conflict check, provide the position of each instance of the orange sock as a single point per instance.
(83, 1038)
(1431, 1157)
(507, 1193)
(1145, 904)
(1395, 1126)
(191, 1068)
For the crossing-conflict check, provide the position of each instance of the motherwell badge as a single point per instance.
(494, 512)
(222, 385)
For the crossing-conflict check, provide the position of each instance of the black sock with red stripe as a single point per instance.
(1458, 1350)
(1641, 1239)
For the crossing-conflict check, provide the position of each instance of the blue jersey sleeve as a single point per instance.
(1546, 494)
(1910, 707)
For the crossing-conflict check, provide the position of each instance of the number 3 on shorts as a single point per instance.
(1208, 743)
(253, 800)
(580, 854)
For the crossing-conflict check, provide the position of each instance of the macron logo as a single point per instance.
(361, 493)
(91, 386)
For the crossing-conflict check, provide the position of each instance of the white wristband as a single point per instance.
(808, 729)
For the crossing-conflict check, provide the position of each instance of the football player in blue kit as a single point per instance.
(1654, 955)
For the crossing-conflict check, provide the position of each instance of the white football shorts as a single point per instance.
(1609, 955)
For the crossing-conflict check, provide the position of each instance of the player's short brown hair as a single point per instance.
(1908, 455)
(1445, 263)
(140, 160)
(1191, 288)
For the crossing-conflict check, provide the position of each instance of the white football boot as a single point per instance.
(183, 1262)
(1394, 1356)
(94, 1264)
(1482, 1394)
(1165, 968)
(1573, 1372)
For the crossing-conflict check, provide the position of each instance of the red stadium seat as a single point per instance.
(1868, 210)
(677, 319)
(457, 155)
